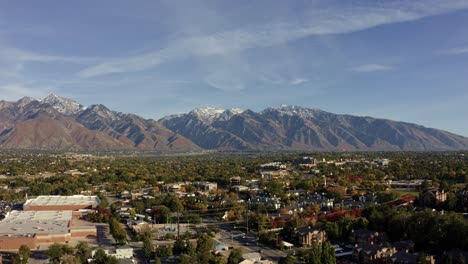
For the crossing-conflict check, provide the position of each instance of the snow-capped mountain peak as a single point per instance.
(207, 114)
(294, 110)
(63, 105)
(25, 100)
(211, 114)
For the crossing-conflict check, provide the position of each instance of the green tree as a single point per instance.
(24, 253)
(157, 260)
(328, 253)
(163, 251)
(55, 252)
(218, 260)
(235, 256)
(315, 255)
(205, 245)
(289, 259)
(186, 259)
(100, 257)
(179, 247)
(161, 214)
(83, 252)
(148, 247)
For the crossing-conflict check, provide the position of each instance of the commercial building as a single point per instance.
(32, 228)
(60, 203)
(122, 252)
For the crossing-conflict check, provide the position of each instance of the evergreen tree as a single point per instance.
(328, 253)
(315, 255)
(147, 247)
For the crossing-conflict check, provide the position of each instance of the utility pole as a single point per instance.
(247, 227)
(178, 224)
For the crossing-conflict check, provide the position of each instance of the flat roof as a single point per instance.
(28, 223)
(51, 200)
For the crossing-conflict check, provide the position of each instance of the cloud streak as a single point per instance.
(371, 68)
(19, 55)
(13, 91)
(457, 51)
(314, 22)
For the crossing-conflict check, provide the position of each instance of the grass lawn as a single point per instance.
(405, 192)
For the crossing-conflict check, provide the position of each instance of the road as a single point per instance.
(248, 242)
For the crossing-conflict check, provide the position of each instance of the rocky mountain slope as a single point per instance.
(57, 123)
(299, 128)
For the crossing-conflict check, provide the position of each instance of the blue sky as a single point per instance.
(403, 60)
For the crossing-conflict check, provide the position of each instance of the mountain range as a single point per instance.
(57, 123)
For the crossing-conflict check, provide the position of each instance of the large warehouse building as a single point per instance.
(46, 219)
(57, 202)
(32, 228)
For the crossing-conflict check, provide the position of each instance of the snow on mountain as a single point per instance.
(229, 113)
(63, 105)
(24, 101)
(294, 110)
(211, 114)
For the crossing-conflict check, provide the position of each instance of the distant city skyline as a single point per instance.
(400, 60)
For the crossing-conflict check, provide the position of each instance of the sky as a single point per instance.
(403, 60)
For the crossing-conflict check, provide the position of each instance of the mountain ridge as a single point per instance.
(59, 123)
(292, 127)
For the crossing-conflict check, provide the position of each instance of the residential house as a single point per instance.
(370, 253)
(365, 236)
(307, 236)
(435, 193)
(122, 252)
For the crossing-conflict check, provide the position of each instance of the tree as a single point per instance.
(235, 256)
(459, 259)
(328, 253)
(447, 259)
(205, 245)
(289, 259)
(69, 259)
(102, 258)
(147, 247)
(161, 214)
(104, 203)
(83, 252)
(157, 260)
(179, 247)
(315, 255)
(421, 258)
(163, 251)
(186, 259)
(117, 231)
(218, 260)
(24, 253)
(55, 252)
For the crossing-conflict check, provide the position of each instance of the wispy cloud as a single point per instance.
(316, 22)
(372, 68)
(298, 81)
(14, 91)
(19, 55)
(457, 51)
